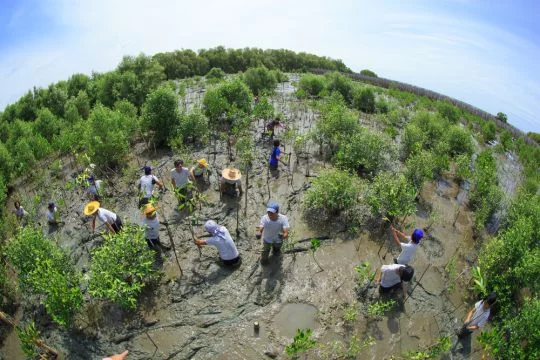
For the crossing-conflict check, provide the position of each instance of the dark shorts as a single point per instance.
(229, 189)
(117, 225)
(231, 262)
(143, 201)
(386, 290)
(273, 167)
(152, 243)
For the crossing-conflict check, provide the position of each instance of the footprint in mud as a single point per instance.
(433, 247)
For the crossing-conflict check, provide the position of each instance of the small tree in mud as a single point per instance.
(333, 191)
(260, 80)
(121, 267)
(392, 196)
(314, 245)
(380, 307)
(44, 269)
(245, 149)
(302, 342)
(32, 345)
(434, 351)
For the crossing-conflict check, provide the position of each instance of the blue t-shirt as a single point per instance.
(273, 158)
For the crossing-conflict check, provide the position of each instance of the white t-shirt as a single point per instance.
(180, 178)
(271, 229)
(106, 216)
(94, 188)
(480, 316)
(151, 226)
(146, 182)
(225, 244)
(20, 212)
(407, 252)
(51, 215)
(390, 276)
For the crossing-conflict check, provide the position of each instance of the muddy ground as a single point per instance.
(209, 312)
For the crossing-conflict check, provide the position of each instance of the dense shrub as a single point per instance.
(412, 140)
(367, 72)
(489, 129)
(260, 80)
(336, 123)
(107, 135)
(77, 83)
(341, 84)
(381, 106)
(366, 152)
(47, 124)
(6, 162)
(121, 267)
(420, 168)
(364, 100)
(485, 195)
(311, 84)
(45, 269)
(160, 114)
(502, 117)
(459, 140)
(215, 75)
(448, 112)
(391, 195)
(225, 100)
(333, 191)
(193, 127)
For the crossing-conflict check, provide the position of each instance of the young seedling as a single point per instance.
(315, 244)
(380, 307)
(350, 313)
(302, 342)
(480, 283)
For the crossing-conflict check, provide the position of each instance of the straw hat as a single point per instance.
(202, 162)
(231, 174)
(91, 208)
(149, 209)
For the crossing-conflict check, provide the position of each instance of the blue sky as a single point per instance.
(482, 52)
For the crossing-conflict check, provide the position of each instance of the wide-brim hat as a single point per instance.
(231, 174)
(91, 207)
(149, 209)
(202, 162)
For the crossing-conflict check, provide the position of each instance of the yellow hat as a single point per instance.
(149, 209)
(91, 207)
(231, 174)
(202, 162)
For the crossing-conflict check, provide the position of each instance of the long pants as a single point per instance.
(276, 249)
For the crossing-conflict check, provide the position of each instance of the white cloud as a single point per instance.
(476, 62)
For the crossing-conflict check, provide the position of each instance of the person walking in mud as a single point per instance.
(94, 188)
(478, 316)
(200, 170)
(222, 240)
(273, 162)
(146, 186)
(53, 215)
(19, 211)
(231, 181)
(111, 220)
(273, 228)
(150, 223)
(392, 277)
(180, 177)
(409, 248)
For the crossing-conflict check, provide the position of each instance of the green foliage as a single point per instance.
(431, 352)
(245, 151)
(463, 167)
(47, 124)
(28, 336)
(333, 191)
(107, 135)
(502, 117)
(260, 80)
(193, 127)
(45, 269)
(215, 75)
(302, 342)
(448, 111)
(366, 152)
(367, 72)
(311, 84)
(479, 281)
(160, 114)
(226, 101)
(121, 267)
(364, 273)
(485, 196)
(336, 82)
(506, 139)
(391, 195)
(263, 109)
(350, 313)
(412, 140)
(420, 168)
(364, 100)
(489, 129)
(77, 83)
(336, 123)
(380, 307)
(459, 140)
(314, 245)
(381, 106)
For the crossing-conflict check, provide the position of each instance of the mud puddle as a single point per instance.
(295, 316)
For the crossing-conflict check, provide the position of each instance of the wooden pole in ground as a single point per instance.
(418, 282)
(169, 232)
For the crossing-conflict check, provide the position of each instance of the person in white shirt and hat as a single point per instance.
(230, 181)
(150, 223)
(222, 240)
(110, 219)
(409, 248)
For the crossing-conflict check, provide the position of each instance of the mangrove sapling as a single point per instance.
(30, 343)
(245, 149)
(302, 342)
(350, 313)
(380, 307)
(434, 351)
(480, 282)
(315, 244)
(171, 239)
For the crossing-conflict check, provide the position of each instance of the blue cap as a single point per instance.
(147, 170)
(272, 207)
(91, 178)
(417, 235)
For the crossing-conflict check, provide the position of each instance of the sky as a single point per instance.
(485, 53)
